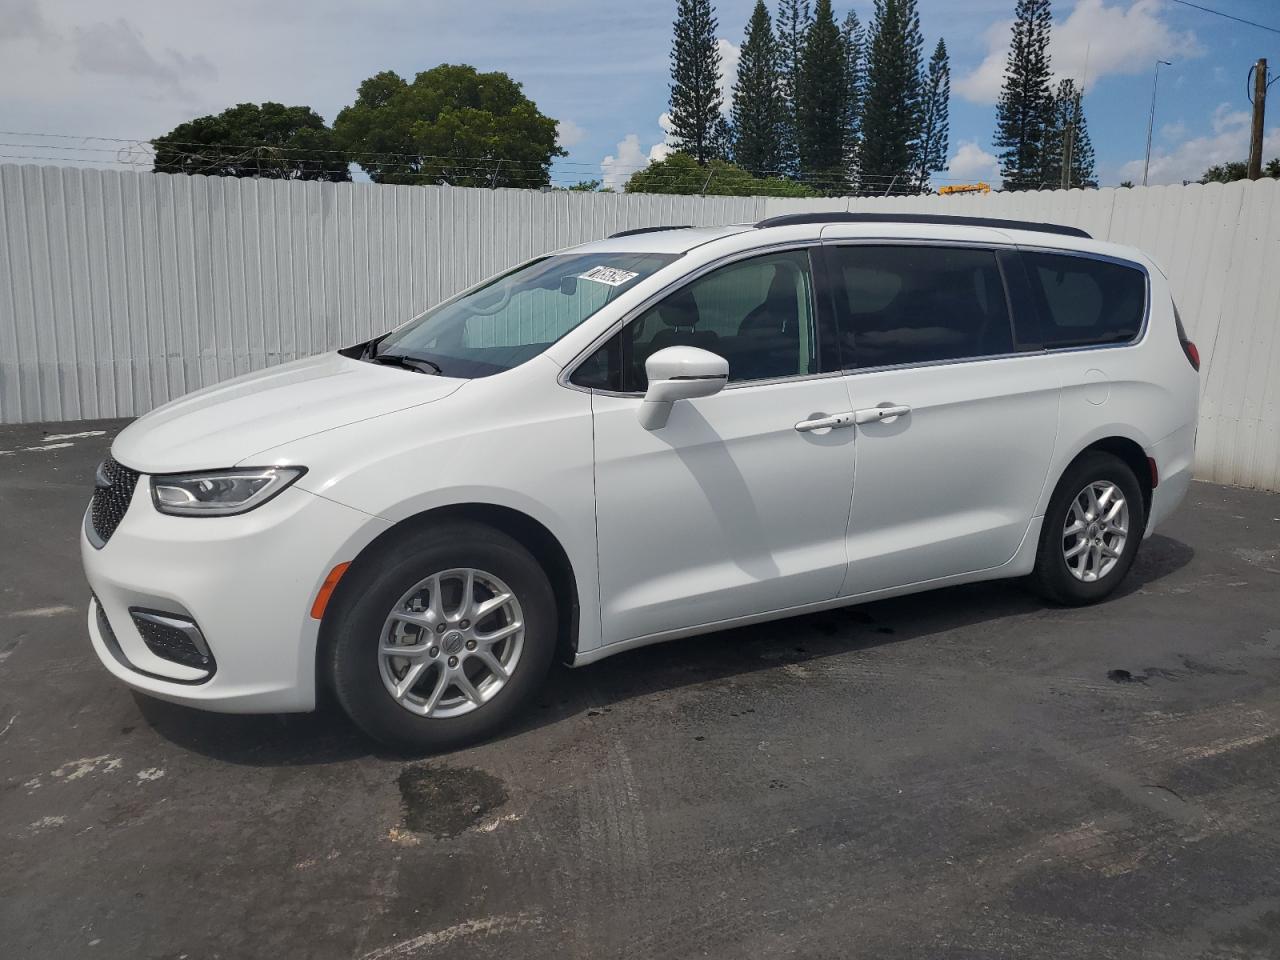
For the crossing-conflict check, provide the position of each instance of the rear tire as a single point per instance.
(1091, 531)
(452, 686)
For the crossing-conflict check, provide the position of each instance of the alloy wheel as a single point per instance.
(451, 643)
(1095, 531)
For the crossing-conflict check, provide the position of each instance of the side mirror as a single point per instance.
(679, 373)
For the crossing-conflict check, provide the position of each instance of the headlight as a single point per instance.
(220, 493)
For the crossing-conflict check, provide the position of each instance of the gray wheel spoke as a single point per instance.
(482, 610)
(442, 681)
(463, 683)
(467, 601)
(1081, 546)
(490, 661)
(501, 633)
(418, 618)
(436, 609)
(410, 678)
(1074, 528)
(410, 651)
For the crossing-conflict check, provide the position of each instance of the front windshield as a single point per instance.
(518, 315)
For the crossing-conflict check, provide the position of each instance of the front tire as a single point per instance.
(1091, 532)
(443, 636)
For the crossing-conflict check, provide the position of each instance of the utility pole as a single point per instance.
(1259, 116)
(1151, 120)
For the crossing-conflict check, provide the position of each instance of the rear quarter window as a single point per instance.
(1085, 301)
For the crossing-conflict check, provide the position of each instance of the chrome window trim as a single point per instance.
(570, 368)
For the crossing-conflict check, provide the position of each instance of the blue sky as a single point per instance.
(134, 69)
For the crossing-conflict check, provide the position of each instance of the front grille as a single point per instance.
(173, 638)
(112, 491)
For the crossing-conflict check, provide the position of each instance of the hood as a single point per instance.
(223, 425)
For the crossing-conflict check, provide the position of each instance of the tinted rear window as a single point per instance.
(917, 304)
(1086, 302)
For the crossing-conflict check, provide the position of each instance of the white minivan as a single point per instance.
(667, 432)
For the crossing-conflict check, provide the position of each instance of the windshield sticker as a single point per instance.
(611, 276)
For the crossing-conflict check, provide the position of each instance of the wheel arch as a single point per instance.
(521, 527)
(1127, 450)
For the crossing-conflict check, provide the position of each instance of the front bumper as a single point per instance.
(248, 581)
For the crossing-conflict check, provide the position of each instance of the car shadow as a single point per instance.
(326, 736)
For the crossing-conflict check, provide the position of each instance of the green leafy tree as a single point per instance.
(1067, 141)
(451, 125)
(855, 38)
(794, 18)
(697, 126)
(758, 108)
(585, 186)
(822, 102)
(1235, 170)
(1025, 111)
(681, 174)
(254, 140)
(935, 124)
(891, 114)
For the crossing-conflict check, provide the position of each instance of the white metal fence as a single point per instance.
(119, 291)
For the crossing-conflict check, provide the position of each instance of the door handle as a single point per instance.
(876, 414)
(826, 423)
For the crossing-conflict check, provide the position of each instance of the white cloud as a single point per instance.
(730, 54)
(1094, 41)
(982, 84)
(617, 168)
(971, 163)
(1188, 160)
(569, 134)
(1174, 131)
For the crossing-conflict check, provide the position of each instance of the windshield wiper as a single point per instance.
(408, 363)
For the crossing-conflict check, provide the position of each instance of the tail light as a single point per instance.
(1192, 352)
(1189, 348)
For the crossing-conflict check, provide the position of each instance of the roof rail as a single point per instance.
(792, 219)
(639, 230)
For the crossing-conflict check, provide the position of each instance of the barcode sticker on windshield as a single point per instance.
(608, 275)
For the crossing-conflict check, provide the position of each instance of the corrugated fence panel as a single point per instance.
(120, 291)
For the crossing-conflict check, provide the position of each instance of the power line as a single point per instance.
(1228, 16)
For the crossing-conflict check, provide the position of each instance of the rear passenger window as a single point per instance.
(1086, 302)
(918, 304)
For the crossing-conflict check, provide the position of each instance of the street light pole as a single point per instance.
(1151, 120)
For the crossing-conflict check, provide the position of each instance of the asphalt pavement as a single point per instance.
(964, 774)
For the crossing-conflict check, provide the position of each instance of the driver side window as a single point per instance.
(757, 314)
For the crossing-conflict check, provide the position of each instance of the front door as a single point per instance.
(728, 510)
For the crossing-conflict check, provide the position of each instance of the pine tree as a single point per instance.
(821, 102)
(935, 109)
(758, 109)
(1025, 112)
(793, 29)
(855, 87)
(891, 112)
(695, 89)
(1068, 139)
